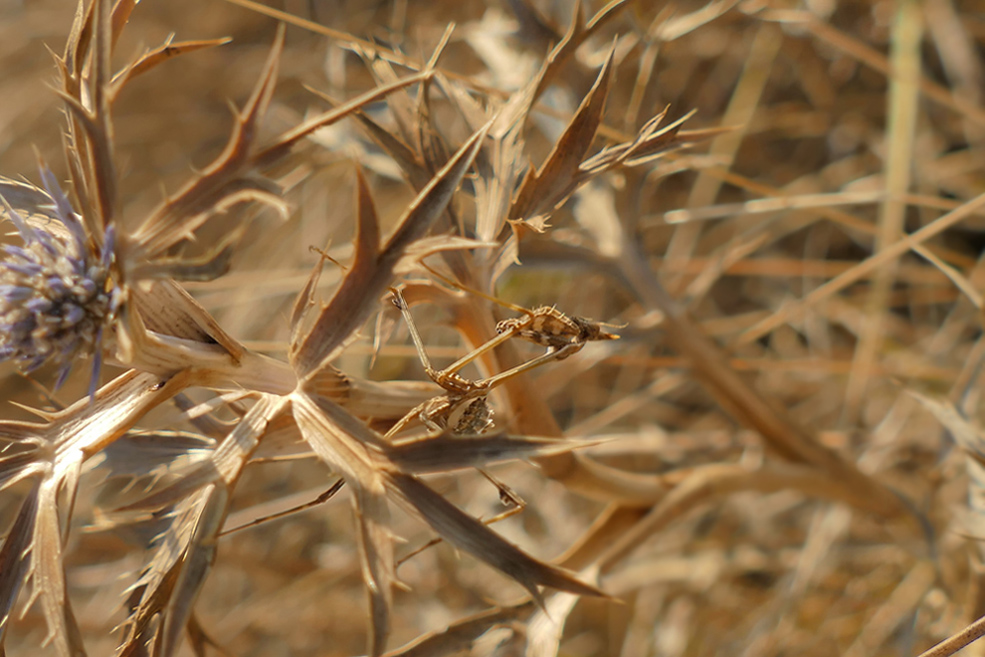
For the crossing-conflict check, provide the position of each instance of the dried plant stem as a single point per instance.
(795, 310)
(744, 403)
(956, 642)
(900, 135)
(877, 61)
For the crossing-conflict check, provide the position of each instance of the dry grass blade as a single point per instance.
(901, 130)
(744, 403)
(711, 482)
(966, 434)
(958, 641)
(895, 250)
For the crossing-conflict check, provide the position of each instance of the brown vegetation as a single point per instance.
(625, 328)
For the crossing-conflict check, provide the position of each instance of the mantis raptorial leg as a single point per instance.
(436, 412)
(321, 499)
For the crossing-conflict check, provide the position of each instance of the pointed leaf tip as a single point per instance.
(368, 227)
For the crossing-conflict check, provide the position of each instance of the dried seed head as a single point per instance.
(55, 295)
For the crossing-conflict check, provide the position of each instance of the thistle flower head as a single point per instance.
(55, 296)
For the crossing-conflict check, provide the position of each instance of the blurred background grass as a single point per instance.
(805, 87)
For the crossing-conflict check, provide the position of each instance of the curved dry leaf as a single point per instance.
(546, 625)
(77, 43)
(168, 50)
(447, 452)
(548, 186)
(222, 197)
(209, 266)
(428, 246)
(367, 249)
(121, 15)
(472, 536)
(367, 224)
(462, 633)
(366, 281)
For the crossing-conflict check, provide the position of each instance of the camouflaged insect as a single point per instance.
(549, 327)
(477, 418)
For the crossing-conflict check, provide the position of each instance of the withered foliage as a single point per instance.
(194, 388)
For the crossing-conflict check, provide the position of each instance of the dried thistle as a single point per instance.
(56, 295)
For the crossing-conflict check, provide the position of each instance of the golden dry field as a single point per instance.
(492, 327)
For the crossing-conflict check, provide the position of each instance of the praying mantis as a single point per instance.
(464, 400)
(463, 409)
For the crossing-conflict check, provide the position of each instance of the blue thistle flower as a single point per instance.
(56, 296)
